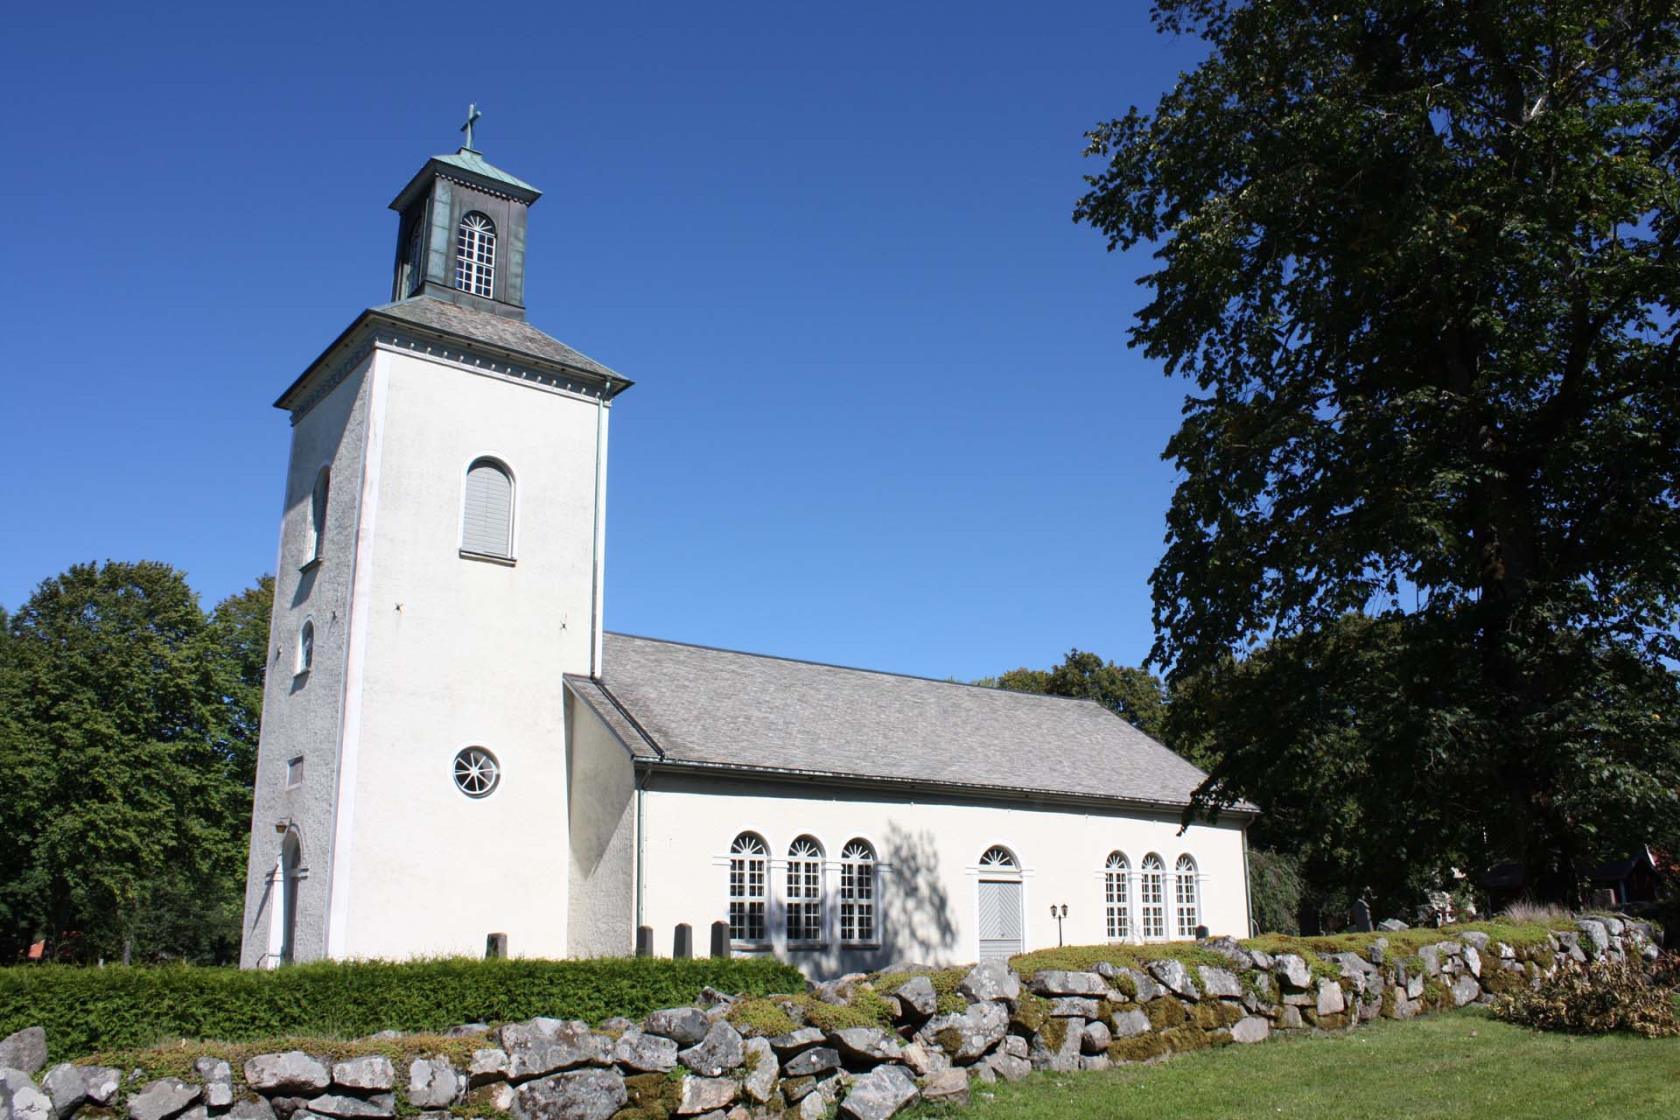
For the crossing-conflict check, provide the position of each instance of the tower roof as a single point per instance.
(468, 165)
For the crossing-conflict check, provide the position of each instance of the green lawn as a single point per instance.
(1462, 1064)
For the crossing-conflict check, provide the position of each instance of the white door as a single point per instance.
(1001, 922)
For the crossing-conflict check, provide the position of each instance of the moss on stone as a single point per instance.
(1334, 1022)
(1165, 1012)
(1499, 981)
(1435, 994)
(866, 1008)
(1182, 1040)
(1220, 1037)
(654, 1093)
(950, 1040)
(1029, 1014)
(1125, 985)
(795, 1088)
(1207, 1016)
(1053, 1034)
(1138, 1048)
(760, 1017)
(1390, 1002)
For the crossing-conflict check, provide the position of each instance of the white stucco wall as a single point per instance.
(300, 717)
(602, 785)
(928, 851)
(460, 652)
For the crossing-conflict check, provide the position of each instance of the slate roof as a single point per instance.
(515, 335)
(469, 160)
(685, 704)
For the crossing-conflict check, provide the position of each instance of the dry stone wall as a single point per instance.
(714, 1062)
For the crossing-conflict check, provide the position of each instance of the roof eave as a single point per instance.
(921, 785)
(613, 385)
(435, 166)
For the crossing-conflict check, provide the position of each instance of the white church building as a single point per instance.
(453, 748)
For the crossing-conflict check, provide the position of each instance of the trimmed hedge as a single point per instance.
(89, 1009)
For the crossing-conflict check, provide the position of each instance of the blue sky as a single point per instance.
(885, 414)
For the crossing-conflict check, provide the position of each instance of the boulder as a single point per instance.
(1144, 988)
(373, 1074)
(253, 1108)
(1095, 1038)
(879, 1094)
(1475, 938)
(645, 1053)
(467, 1030)
(684, 1025)
(585, 1094)
(762, 1067)
(1074, 1007)
(719, 1052)
(990, 980)
(1175, 977)
(867, 1045)
(292, 1073)
(1228, 948)
(965, 1037)
(1392, 925)
(813, 1107)
(1465, 990)
(1056, 982)
(1219, 982)
(1128, 1024)
(1008, 1066)
(1289, 1018)
(217, 1076)
(1473, 960)
(433, 1083)
(1597, 935)
(1292, 972)
(21, 1099)
(379, 1106)
(794, 1041)
(70, 1087)
(489, 1065)
(809, 1063)
(25, 1050)
(946, 1086)
(162, 1099)
(1057, 1046)
(543, 1046)
(1331, 1001)
(917, 999)
(1431, 957)
(1262, 959)
(922, 1060)
(703, 1094)
(1251, 1028)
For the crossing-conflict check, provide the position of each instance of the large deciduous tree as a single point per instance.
(127, 743)
(1135, 695)
(1420, 262)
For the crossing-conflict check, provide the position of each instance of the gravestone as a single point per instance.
(720, 939)
(644, 941)
(495, 947)
(1361, 916)
(682, 946)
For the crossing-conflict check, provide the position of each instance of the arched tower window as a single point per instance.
(747, 889)
(306, 648)
(1117, 909)
(318, 515)
(475, 255)
(804, 891)
(1189, 911)
(487, 510)
(1152, 898)
(291, 862)
(857, 892)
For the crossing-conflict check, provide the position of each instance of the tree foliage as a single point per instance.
(127, 749)
(1135, 695)
(1419, 261)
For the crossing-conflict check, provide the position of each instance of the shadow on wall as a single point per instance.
(916, 923)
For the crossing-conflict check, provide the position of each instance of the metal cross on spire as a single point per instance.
(472, 118)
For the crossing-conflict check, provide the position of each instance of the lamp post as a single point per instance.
(1058, 914)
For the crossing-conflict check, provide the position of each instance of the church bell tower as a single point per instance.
(440, 572)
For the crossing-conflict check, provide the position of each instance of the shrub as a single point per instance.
(1597, 998)
(87, 1009)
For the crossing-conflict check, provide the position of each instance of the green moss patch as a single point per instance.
(1139, 1048)
(1165, 1012)
(1029, 1015)
(1085, 958)
(764, 1018)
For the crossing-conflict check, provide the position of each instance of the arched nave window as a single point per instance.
(475, 255)
(747, 889)
(487, 510)
(1117, 908)
(857, 892)
(1184, 887)
(998, 858)
(804, 891)
(1152, 898)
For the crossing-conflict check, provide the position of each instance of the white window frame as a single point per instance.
(475, 254)
(749, 867)
(1117, 897)
(860, 893)
(507, 557)
(1152, 898)
(1187, 900)
(802, 907)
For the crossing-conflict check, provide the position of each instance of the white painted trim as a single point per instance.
(598, 560)
(350, 726)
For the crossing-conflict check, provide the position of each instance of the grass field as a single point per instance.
(1457, 1065)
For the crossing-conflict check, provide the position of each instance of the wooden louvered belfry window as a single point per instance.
(487, 521)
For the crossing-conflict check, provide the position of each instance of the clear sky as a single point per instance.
(884, 414)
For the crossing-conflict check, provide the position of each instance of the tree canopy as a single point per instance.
(128, 724)
(1419, 262)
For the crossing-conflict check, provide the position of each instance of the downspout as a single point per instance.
(599, 545)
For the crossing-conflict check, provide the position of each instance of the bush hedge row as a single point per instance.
(89, 1009)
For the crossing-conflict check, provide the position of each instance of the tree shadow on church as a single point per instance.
(916, 922)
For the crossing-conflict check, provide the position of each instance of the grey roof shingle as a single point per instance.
(692, 704)
(514, 335)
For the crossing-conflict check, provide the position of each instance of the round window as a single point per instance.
(477, 772)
